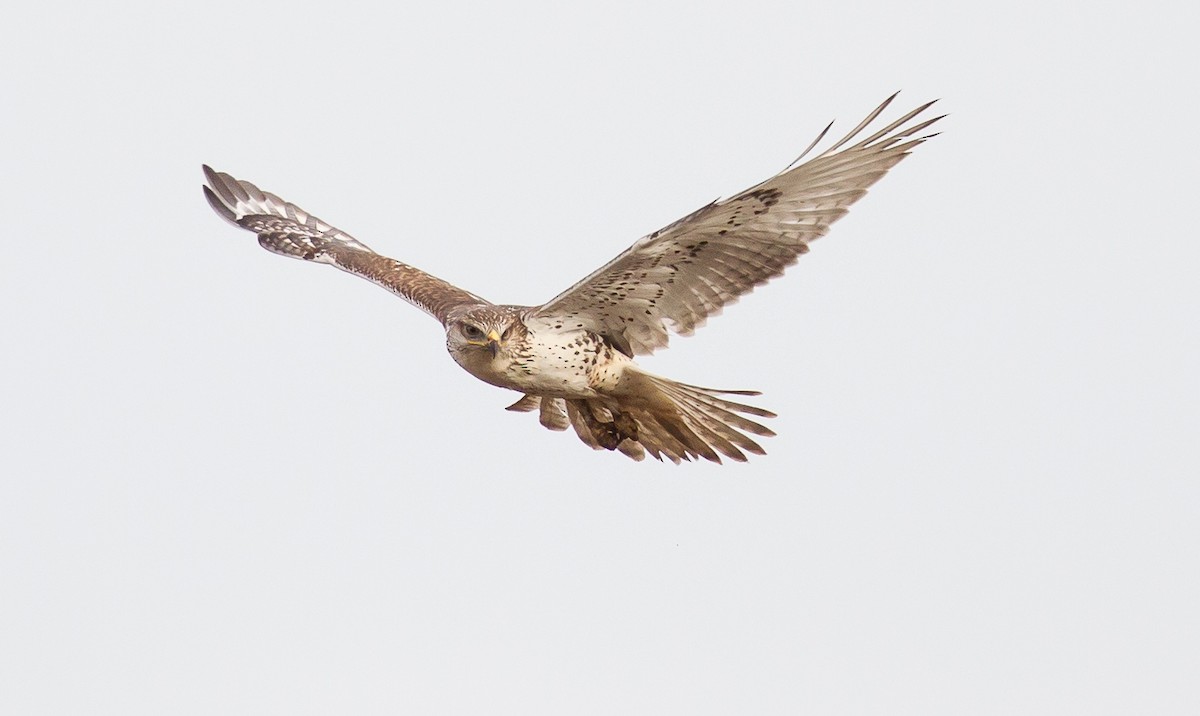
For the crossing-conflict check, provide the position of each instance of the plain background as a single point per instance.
(238, 484)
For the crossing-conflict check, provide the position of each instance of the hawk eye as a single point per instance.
(471, 332)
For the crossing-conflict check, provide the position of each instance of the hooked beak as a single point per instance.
(493, 342)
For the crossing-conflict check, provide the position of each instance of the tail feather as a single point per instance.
(721, 436)
(658, 442)
(729, 427)
(713, 419)
(712, 396)
(660, 417)
(676, 426)
(716, 409)
(718, 441)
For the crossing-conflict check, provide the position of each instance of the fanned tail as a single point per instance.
(669, 420)
(688, 421)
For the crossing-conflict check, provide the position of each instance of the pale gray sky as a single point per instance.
(238, 484)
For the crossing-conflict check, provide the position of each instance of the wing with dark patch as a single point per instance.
(675, 278)
(288, 230)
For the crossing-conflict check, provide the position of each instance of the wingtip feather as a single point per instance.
(220, 206)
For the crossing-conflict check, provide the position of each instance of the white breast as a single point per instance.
(568, 364)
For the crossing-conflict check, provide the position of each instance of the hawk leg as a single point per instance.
(606, 434)
(609, 433)
(626, 426)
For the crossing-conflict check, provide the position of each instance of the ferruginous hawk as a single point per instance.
(573, 356)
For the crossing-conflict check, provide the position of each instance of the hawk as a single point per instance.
(572, 357)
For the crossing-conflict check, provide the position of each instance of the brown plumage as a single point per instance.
(572, 357)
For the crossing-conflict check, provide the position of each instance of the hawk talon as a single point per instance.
(626, 426)
(608, 436)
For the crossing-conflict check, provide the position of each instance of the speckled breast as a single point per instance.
(566, 364)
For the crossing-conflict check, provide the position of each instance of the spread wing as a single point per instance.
(675, 278)
(288, 230)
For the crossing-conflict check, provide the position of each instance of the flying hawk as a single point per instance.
(573, 356)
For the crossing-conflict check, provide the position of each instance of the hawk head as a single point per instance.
(482, 333)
